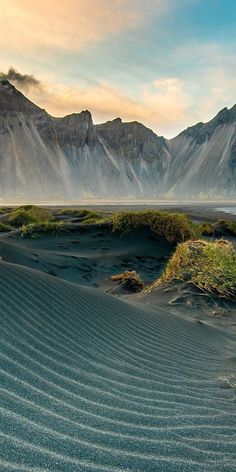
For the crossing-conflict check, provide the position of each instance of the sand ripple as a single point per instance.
(90, 383)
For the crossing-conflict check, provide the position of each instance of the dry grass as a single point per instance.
(26, 215)
(226, 227)
(5, 228)
(80, 213)
(44, 228)
(130, 280)
(174, 227)
(210, 266)
(206, 229)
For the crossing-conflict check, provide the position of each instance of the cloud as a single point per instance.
(220, 84)
(23, 81)
(168, 100)
(209, 79)
(69, 25)
(162, 104)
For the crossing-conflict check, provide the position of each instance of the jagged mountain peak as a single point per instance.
(12, 100)
(76, 129)
(80, 118)
(43, 157)
(116, 121)
(226, 115)
(6, 84)
(118, 128)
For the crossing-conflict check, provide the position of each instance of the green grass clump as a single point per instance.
(86, 214)
(44, 228)
(65, 212)
(5, 228)
(4, 210)
(209, 265)
(206, 229)
(27, 214)
(227, 226)
(174, 227)
(94, 220)
(79, 213)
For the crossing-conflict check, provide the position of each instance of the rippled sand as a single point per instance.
(93, 383)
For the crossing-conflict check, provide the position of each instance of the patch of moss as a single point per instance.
(209, 265)
(45, 228)
(174, 227)
(27, 214)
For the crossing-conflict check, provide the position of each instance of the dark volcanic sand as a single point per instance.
(94, 383)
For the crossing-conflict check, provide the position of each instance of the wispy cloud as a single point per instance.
(144, 60)
(166, 105)
(211, 79)
(71, 24)
(161, 105)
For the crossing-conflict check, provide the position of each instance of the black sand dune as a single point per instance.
(92, 383)
(89, 256)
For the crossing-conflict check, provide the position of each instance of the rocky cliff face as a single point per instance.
(43, 158)
(203, 159)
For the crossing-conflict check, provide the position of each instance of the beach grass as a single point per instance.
(4, 210)
(226, 226)
(43, 228)
(209, 265)
(27, 214)
(129, 280)
(206, 229)
(220, 227)
(174, 227)
(4, 227)
(95, 219)
(80, 213)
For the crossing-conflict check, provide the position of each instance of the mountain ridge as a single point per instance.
(42, 156)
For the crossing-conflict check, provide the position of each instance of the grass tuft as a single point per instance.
(174, 227)
(206, 229)
(5, 228)
(27, 214)
(79, 213)
(130, 280)
(95, 220)
(45, 228)
(5, 210)
(225, 227)
(209, 265)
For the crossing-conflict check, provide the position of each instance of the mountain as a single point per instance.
(42, 157)
(203, 159)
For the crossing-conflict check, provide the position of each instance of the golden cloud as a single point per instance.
(162, 104)
(67, 25)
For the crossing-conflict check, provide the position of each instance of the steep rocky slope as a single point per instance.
(43, 157)
(203, 159)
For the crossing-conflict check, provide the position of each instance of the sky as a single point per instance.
(166, 63)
